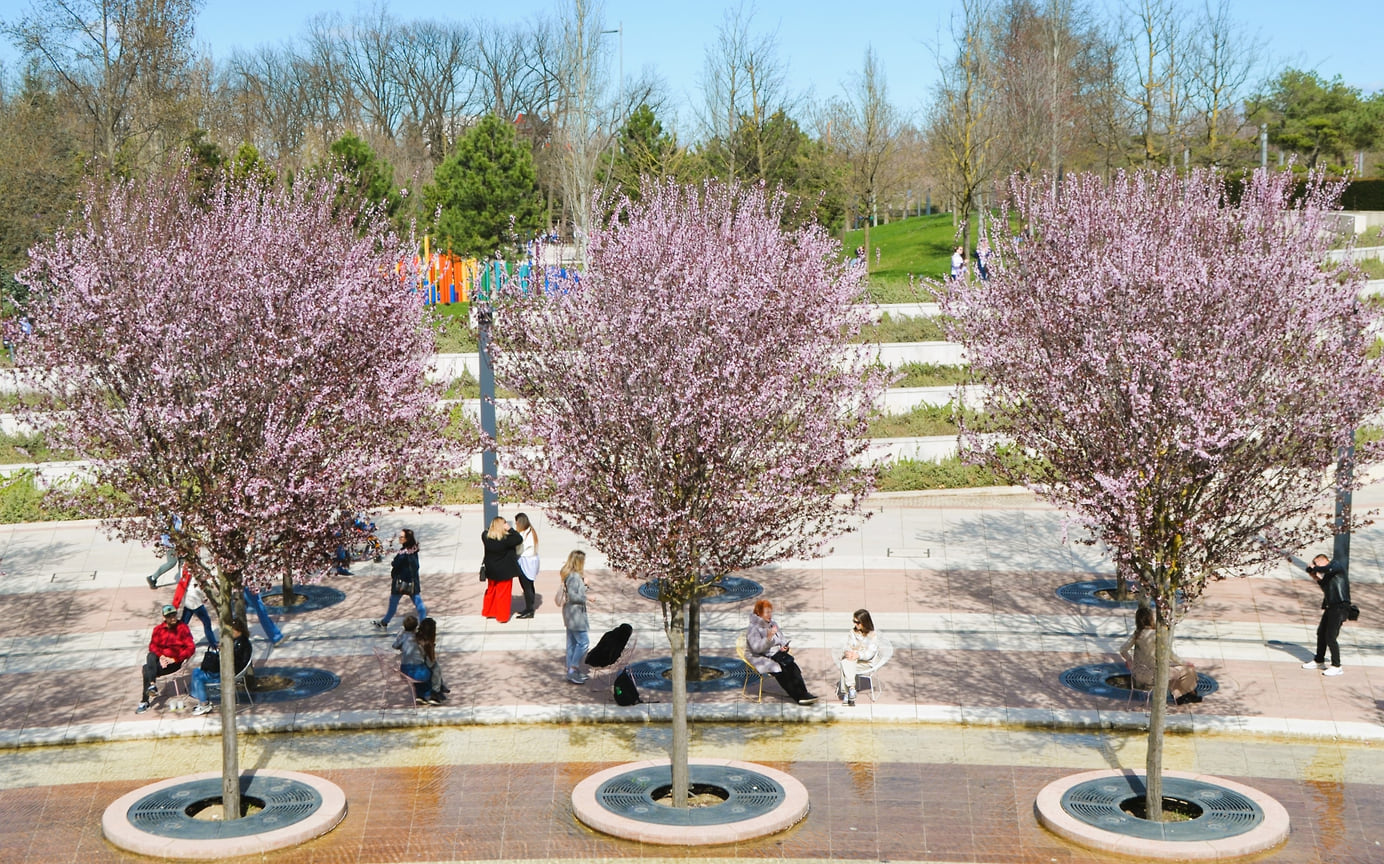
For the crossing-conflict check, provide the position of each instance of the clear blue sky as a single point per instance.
(822, 43)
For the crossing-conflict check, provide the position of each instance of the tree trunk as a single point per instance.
(694, 640)
(1158, 710)
(230, 756)
(867, 244)
(289, 597)
(677, 754)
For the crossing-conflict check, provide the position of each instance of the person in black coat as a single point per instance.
(403, 579)
(1335, 607)
(501, 565)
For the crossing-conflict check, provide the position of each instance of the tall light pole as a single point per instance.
(619, 94)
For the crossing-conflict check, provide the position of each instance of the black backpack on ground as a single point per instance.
(623, 688)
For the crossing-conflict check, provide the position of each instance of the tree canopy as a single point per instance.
(485, 195)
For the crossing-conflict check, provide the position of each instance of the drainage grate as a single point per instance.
(749, 795)
(1084, 594)
(734, 589)
(315, 597)
(654, 674)
(304, 682)
(164, 812)
(1225, 812)
(1112, 680)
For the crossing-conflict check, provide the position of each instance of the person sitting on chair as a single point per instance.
(1138, 654)
(769, 655)
(169, 645)
(861, 648)
(210, 670)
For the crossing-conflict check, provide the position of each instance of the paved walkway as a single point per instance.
(972, 720)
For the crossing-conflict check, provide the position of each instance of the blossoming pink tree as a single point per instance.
(699, 408)
(246, 362)
(1177, 371)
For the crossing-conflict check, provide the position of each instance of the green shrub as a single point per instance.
(930, 375)
(950, 473)
(29, 447)
(21, 500)
(921, 328)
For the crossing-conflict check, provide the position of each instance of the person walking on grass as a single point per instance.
(1335, 609)
(403, 579)
(574, 615)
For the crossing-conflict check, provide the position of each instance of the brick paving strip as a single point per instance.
(964, 585)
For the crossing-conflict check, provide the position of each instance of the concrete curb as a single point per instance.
(788, 813)
(116, 827)
(1270, 833)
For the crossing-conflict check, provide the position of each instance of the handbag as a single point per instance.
(483, 571)
(1353, 613)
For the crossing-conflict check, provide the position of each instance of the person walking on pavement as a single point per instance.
(528, 562)
(574, 615)
(403, 579)
(1335, 608)
(501, 565)
(170, 555)
(169, 645)
(190, 597)
(254, 602)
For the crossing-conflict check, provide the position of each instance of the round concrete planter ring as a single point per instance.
(619, 801)
(153, 820)
(1218, 839)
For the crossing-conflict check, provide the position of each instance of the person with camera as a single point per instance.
(1335, 609)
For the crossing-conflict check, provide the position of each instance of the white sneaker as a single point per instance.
(1333, 671)
(1313, 664)
(203, 709)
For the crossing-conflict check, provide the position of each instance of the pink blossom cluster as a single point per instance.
(1175, 368)
(247, 361)
(689, 391)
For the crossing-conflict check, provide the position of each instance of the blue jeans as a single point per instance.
(253, 601)
(422, 679)
(201, 612)
(394, 607)
(200, 679)
(577, 643)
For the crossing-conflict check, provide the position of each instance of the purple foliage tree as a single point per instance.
(245, 361)
(699, 408)
(1176, 369)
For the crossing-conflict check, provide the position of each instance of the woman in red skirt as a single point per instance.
(501, 566)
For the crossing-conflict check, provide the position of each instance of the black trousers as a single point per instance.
(790, 677)
(152, 670)
(527, 587)
(1327, 631)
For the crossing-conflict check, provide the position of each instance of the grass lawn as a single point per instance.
(909, 250)
(950, 473)
(930, 375)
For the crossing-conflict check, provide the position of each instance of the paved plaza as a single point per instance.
(971, 722)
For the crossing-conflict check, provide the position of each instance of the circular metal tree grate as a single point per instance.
(734, 589)
(656, 674)
(1088, 593)
(1112, 680)
(166, 812)
(294, 683)
(749, 794)
(1224, 812)
(314, 597)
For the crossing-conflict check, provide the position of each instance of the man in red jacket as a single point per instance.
(169, 645)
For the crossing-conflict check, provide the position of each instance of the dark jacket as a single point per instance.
(502, 556)
(1335, 587)
(403, 573)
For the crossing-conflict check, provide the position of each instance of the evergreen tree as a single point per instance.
(644, 149)
(485, 194)
(369, 179)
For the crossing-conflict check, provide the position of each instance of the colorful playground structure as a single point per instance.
(447, 278)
